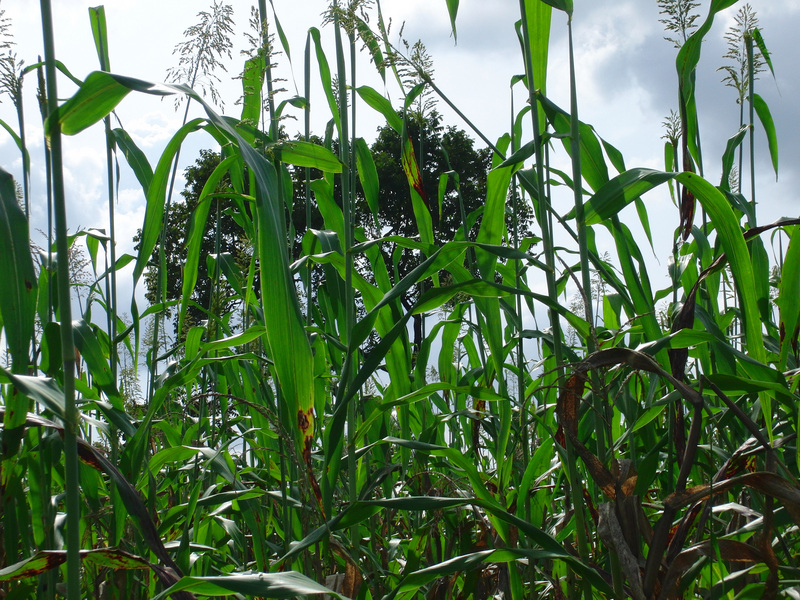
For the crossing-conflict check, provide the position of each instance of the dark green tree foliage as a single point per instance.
(432, 148)
(439, 150)
(231, 240)
(442, 149)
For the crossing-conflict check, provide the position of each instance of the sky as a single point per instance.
(625, 76)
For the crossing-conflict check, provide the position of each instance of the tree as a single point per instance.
(438, 149)
(210, 294)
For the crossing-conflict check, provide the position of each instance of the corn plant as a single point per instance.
(308, 443)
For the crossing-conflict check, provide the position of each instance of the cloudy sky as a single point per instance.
(626, 81)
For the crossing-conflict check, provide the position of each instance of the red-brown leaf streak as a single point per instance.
(51, 561)
(411, 169)
(567, 409)
(305, 423)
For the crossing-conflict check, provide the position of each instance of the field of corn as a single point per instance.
(513, 412)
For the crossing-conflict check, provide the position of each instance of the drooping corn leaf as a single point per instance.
(289, 584)
(286, 337)
(764, 115)
(452, 9)
(306, 154)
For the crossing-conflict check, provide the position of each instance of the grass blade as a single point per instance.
(18, 293)
(764, 115)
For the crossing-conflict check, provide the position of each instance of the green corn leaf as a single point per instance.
(289, 584)
(193, 339)
(620, 191)
(135, 157)
(197, 227)
(644, 219)
(92, 353)
(761, 273)
(281, 35)
(637, 281)
(732, 241)
(43, 390)
(521, 155)
(762, 47)
(59, 65)
(286, 337)
(252, 84)
(538, 20)
(16, 138)
(452, 9)
(233, 273)
(493, 225)
(614, 155)
(331, 212)
(434, 298)
(157, 197)
(297, 101)
(239, 339)
(728, 157)
(734, 384)
(689, 54)
(764, 115)
(789, 298)
(565, 5)
(98, 96)
(325, 76)
(372, 45)
(368, 175)
(410, 584)
(306, 154)
(593, 163)
(382, 105)
(97, 16)
(18, 293)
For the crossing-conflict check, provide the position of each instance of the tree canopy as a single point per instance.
(222, 235)
(441, 151)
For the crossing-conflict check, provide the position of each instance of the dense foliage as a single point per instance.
(511, 443)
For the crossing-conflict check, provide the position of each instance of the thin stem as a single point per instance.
(547, 239)
(307, 178)
(347, 209)
(599, 404)
(65, 316)
(26, 165)
(748, 39)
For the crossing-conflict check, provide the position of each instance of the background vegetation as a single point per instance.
(401, 370)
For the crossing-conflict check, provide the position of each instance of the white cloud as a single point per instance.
(153, 128)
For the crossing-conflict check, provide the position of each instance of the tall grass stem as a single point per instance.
(73, 498)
